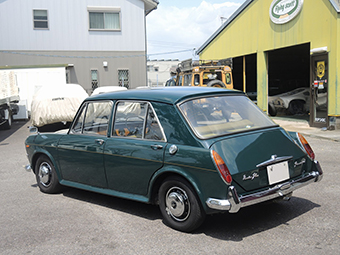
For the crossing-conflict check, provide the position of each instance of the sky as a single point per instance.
(178, 27)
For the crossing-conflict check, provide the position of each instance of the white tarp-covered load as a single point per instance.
(52, 104)
(8, 87)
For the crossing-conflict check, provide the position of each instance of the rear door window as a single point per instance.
(137, 120)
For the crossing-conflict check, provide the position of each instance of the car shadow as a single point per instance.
(16, 125)
(255, 219)
(224, 226)
(147, 211)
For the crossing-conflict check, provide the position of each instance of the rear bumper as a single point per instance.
(235, 202)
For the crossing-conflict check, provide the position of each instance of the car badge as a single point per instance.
(299, 163)
(250, 177)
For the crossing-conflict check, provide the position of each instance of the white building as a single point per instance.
(159, 71)
(100, 42)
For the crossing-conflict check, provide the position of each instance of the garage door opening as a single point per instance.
(245, 75)
(288, 82)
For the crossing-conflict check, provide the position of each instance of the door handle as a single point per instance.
(100, 141)
(156, 147)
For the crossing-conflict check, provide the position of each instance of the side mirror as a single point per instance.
(33, 129)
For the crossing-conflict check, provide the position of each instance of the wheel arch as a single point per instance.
(300, 100)
(295, 102)
(163, 174)
(37, 155)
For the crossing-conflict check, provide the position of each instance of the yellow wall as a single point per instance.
(252, 31)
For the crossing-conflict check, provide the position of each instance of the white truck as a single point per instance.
(9, 97)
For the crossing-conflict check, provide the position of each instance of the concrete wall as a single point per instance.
(83, 61)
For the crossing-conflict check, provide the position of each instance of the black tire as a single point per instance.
(46, 176)
(296, 107)
(180, 208)
(216, 83)
(8, 123)
(272, 110)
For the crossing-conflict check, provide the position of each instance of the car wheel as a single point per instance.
(272, 110)
(296, 107)
(216, 83)
(179, 205)
(8, 123)
(46, 176)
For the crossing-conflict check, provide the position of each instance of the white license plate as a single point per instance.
(278, 172)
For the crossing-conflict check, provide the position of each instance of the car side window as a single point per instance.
(129, 119)
(93, 119)
(187, 80)
(97, 118)
(197, 79)
(153, 130)
(78, 125)
(136, 120)
(180, 80)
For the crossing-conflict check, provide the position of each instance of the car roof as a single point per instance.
(170, 95)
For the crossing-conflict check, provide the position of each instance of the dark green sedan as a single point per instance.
(191, 150)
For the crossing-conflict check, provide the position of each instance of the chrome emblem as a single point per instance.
(250, 177)
(173, 149)
(299, 163)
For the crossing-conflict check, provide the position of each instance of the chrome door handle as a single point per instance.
(100, 141)
(156, 147)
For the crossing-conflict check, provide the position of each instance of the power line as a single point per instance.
(172, 52)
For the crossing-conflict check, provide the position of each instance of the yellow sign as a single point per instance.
(320, 69)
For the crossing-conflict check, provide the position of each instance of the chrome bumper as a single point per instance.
(235, 202)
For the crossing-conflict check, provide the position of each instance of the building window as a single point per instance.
(123, 78)
(40, 19)
(94, 79)
(104, 19)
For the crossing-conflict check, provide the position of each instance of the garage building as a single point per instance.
(285, 46)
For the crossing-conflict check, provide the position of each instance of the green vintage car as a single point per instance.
(191, 150)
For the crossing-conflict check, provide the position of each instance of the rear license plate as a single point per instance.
(278, 172)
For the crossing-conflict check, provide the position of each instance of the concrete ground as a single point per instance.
(302, 126)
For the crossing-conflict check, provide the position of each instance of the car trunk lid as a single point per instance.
(259, 159)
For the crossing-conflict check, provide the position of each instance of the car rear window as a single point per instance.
(215, 116)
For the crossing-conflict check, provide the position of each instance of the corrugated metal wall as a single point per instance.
(252, 31)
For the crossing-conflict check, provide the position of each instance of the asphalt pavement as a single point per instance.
(81, 222)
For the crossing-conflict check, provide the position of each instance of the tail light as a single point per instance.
(222, 167)
(306, 146)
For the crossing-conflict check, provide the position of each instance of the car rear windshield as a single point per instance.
(221, 115)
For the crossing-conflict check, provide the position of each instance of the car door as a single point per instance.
(81, 151)
(135, 149)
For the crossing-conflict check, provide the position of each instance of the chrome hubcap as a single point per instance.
(177, 204)
(45, 174)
